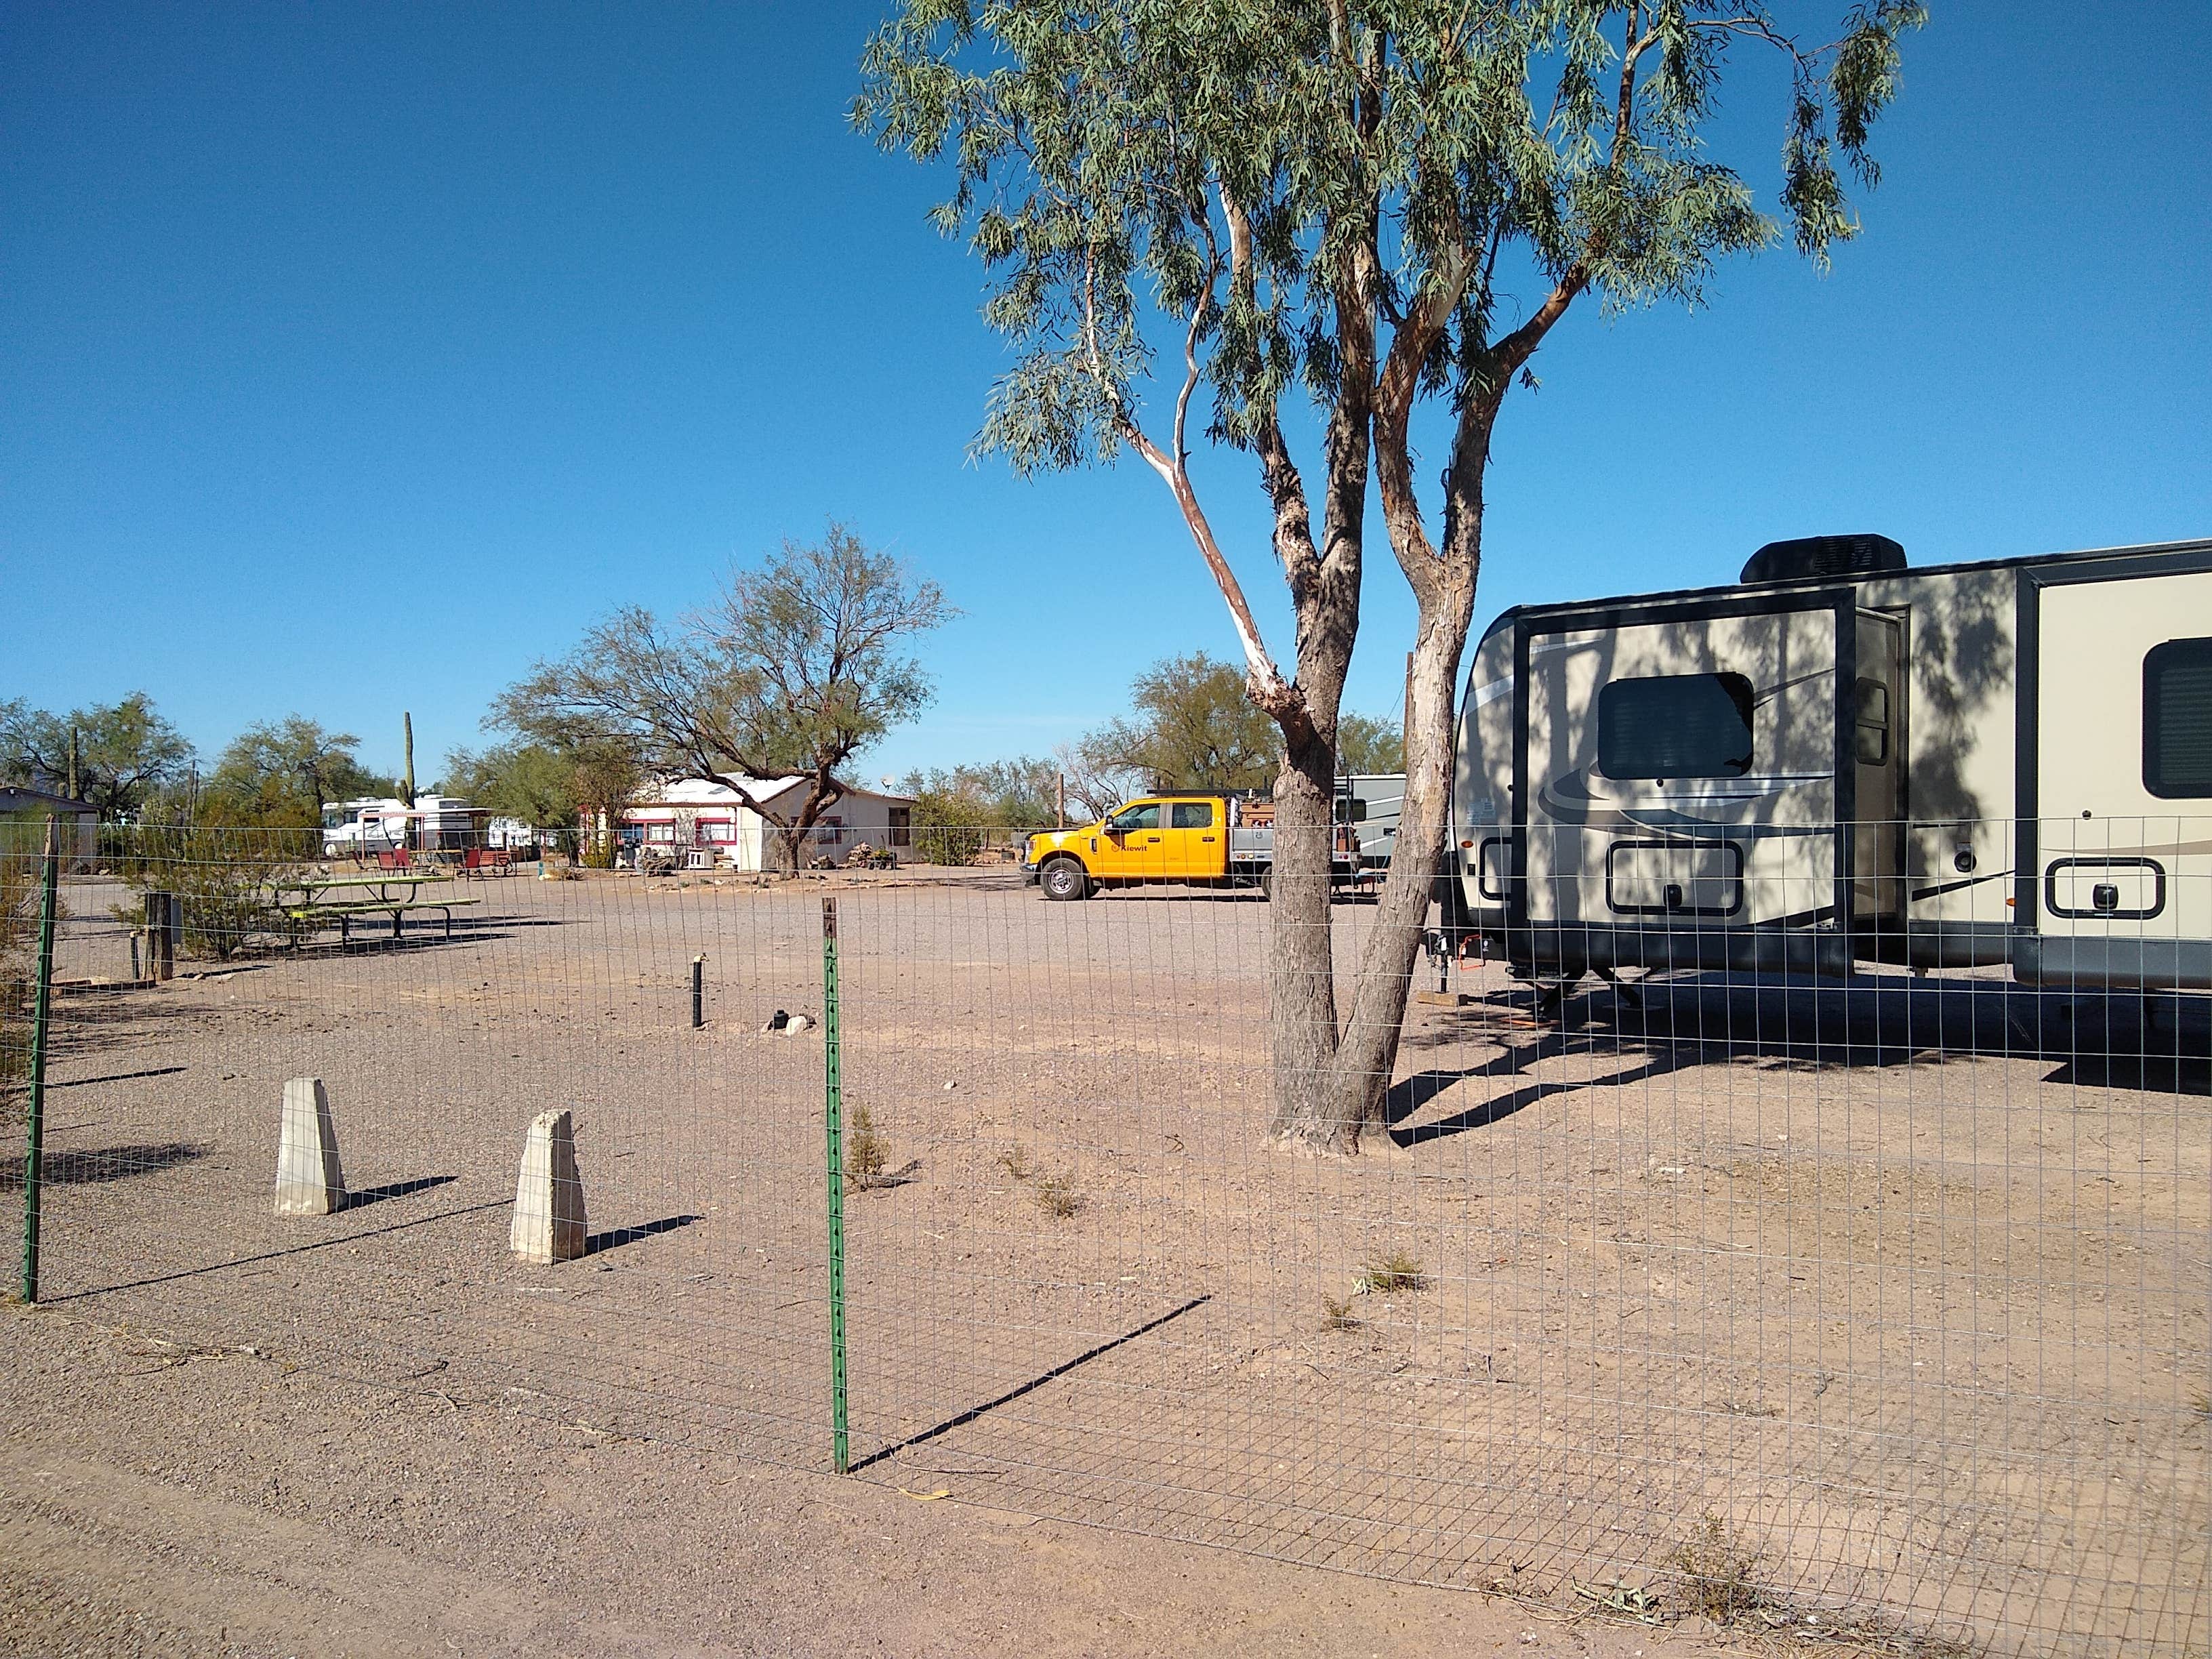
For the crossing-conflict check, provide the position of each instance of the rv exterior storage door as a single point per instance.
(1679, 767)
(2116, 830)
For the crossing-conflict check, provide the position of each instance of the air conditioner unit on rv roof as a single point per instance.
(1817, 556)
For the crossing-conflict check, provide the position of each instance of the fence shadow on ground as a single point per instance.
(973, 1413)
(274, 1255)
(115, 1077)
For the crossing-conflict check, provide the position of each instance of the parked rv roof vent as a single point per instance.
(1818, 557)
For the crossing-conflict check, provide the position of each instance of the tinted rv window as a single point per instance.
(1675, 726)
(2178, 719)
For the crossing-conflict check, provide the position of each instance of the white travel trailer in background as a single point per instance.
(1840, 759)
(362, 829)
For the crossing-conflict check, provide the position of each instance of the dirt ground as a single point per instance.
(166, 1500)
(1899, 1289)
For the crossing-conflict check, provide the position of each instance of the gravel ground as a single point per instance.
(1910, 1302)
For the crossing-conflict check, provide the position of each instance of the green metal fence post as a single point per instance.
(34, 1150)
(833, 1118)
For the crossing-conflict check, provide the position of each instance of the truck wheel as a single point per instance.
(1064, 878)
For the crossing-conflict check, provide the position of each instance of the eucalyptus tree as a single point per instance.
(1374, 204)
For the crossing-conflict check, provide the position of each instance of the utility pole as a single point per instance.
(74, 793)
(1406, 721)
(1060, 799)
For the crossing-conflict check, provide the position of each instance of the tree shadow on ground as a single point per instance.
(2116, 1040)
(103, 1163)
(615, 1237)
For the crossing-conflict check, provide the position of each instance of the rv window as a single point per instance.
(1872, 731)
(1675, 726)
(2178, 719)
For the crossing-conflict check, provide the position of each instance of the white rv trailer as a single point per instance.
(1375, 801)
(1840, 759)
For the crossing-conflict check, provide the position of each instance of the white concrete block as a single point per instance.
(308, 1179)
(549, 1199)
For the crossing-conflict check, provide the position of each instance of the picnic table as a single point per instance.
(314, 900)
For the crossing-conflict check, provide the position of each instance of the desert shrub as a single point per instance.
(219, 873)
(22, 846)
(949, 827)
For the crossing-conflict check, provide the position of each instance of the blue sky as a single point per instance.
(352, 357)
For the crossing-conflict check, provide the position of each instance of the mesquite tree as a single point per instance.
(797, 667)
(1376, 203)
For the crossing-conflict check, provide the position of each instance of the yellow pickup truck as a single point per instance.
(1192, 840)
(1178, 838)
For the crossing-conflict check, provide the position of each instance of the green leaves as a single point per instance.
(127, 750)
(1253, 169)
(798, 666)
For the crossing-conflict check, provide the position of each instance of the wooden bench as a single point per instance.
(313, 918)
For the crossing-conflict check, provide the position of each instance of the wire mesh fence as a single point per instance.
(1837, 1296)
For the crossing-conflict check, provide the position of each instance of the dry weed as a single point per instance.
(1717, 1568)
(1056, 1195)
(1394, 1272)
(866, 1152)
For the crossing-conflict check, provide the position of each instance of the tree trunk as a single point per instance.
(1311, 1110)
(1368, 1051)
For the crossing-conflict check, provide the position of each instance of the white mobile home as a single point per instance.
(1841, 759)
(704, 821)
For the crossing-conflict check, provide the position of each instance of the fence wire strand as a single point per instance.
(1875, 1302)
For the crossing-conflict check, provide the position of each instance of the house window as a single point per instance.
(2177, 760)
(1675, 726)
(901, 826)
